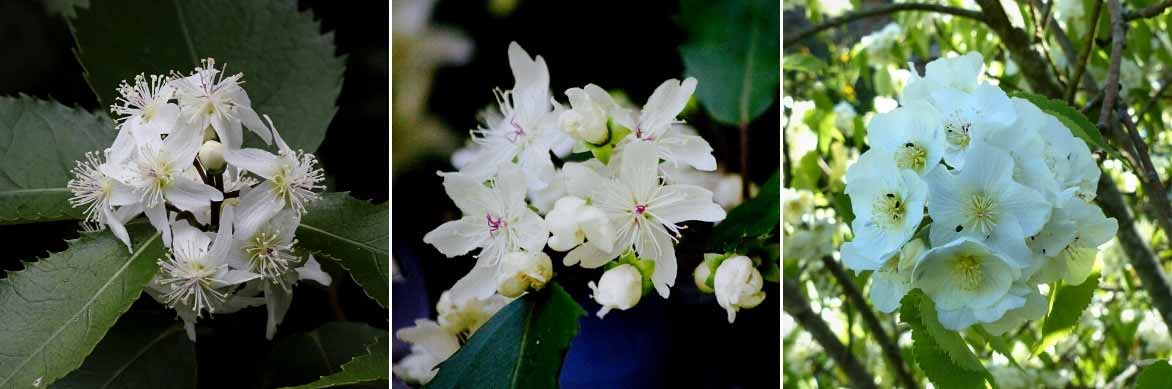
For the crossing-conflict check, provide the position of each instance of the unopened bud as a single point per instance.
(522, 271)
(700, 276)
(619, 288)
(738, 285)
(211, 155)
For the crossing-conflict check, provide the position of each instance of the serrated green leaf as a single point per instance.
(936, 363)
(143, 350)
(803, 62)
(289, 67)
(522, 346)
(1155, 376)
(754, 218)
(732, 50)
(39, 144)
(54, 312)
(948, 340)
(309, 356)
(1074, 120)
(1068, 305)
(365, 369)
(354, 233)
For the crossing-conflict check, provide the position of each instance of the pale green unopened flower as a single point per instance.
(211, 155)
(619, 288)
(523, 271)
(738, 285)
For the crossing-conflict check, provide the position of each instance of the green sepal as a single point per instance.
(615, 133)
(713, 262)
(646, 268)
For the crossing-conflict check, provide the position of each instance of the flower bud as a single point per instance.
(572, 221)
(587, 120)
(211, 155)
(700, 276)
(521, 271)
(738, 285)
(619, 288)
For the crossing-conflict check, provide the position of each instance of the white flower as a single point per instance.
(154, 176)
(292, 179)
(268, 250)
(1035, 308)
(958, 73)
(892, 281)
(910, 135)
(523, 271)
(970, 117)
(738, 285)
(144, 111)
(880, 41)
(844, 116)
(657, 124)
(983, 202)
(572, 221)
(195, 273)
(96, 191)
(496, 219)
(526, 130)
(968, 281)
(431, 345)
(1067, 246)
(888, 203)
(1070, 160)
(641, 208)
(464, 319)
(796, 204)
(619, 288)
(1026, 145)
(207, 98)
(587, 120)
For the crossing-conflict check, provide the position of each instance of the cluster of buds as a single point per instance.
(226, 214)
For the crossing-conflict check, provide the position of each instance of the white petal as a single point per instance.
(188, 195)
(458, 237)
(234, 277)
(690, 149)
(640, 168)
(311, 270)
(655, 244)
(589, 256)
(277, 302)
(668, 99)
(479, 283)
(256, 207)
(249, 119)
(181, 146)
(158, 218)
(469, 193)
(887, 289)
(677, 203)
(530, 231)
(259, 162)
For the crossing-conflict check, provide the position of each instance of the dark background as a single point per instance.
(685, 341)
(232, 351)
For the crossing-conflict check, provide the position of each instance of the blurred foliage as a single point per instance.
(836, 80)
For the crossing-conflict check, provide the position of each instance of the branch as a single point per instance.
(1018, 44)
(1112, 85)
(1084, 56)
(1149, 11)
(1143, 260)
(878, 11)
(890, 348)
(797, 307)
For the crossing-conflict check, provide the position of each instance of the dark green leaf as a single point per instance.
(54, 312)
(803, 62)
(143, 350)
(732, 50)
(1068, 305)
(1156, 376)
(354, 233)
(321, 352)
(39, 143)
(289, 67)
(752, 219)
(939, 365)
(372, 367)
(947, 340)
(522, 346)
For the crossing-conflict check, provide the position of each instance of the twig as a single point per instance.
(797, 307)
(1084, 56)
(1131, 370)
(1018, 44)
(1143, 260)
(890, 348)
(1112, 85)
(878, 11)
(744, 134)
(1149, 11)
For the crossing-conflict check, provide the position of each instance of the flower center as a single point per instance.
(957, 134)
(640, 209)
(267, 256)
(911, 156)
(517, 133)
(494, 224)
(967, 272)
(982, 212)
(889, 210)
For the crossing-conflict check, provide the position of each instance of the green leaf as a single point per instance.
(803, 62)
(947, 340)
(807, 172)
(935, 359)
(39, 144)
(1068, 304)
(354, 233)
(289, 67)
(364, 369)
(732, 50)
(522, 346)
(1155, 376)
(1078, 124)
(321, 352)
(143, 350)
(54, 312)
(754, 218)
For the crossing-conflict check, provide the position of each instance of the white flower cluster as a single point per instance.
(1002, 190)
(226, 214)
(433, 342)
(596, 210)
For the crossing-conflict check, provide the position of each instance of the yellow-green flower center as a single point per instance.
(911, 156)
(967, 272)
(889, 210)
(957, 134)
(982, 212)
